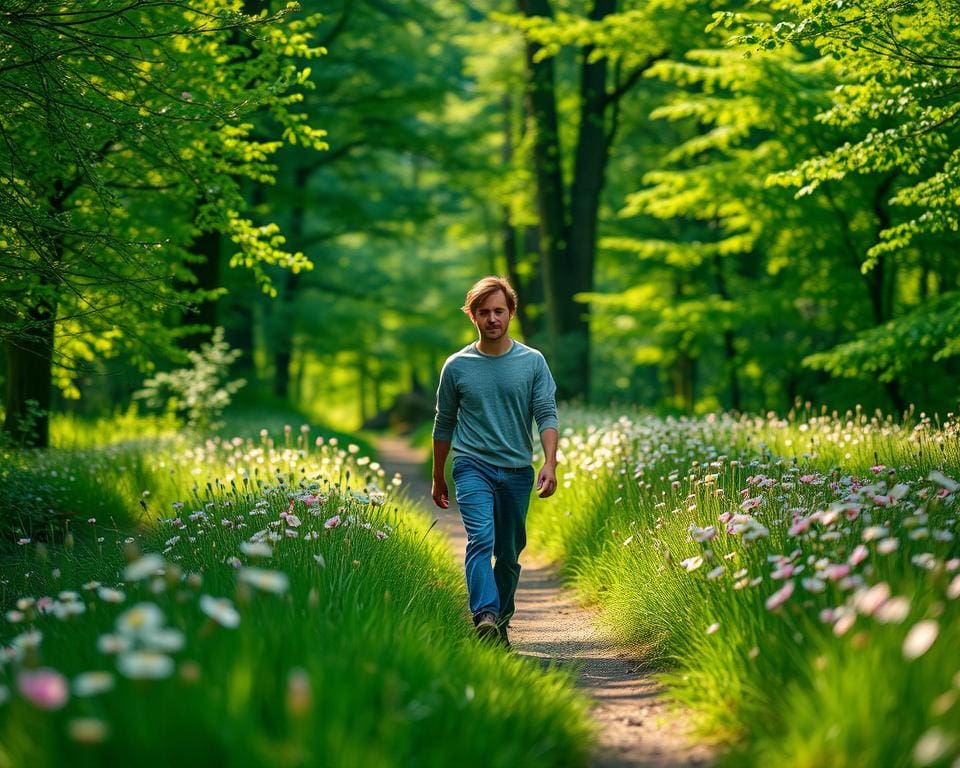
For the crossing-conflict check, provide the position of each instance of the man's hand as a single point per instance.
(440, 493)
(547, 481)
(441, 496)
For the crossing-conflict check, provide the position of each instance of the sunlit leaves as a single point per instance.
(899, 346)
(899, 76)
(120, 149)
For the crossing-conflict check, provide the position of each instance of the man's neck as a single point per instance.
(495, 348)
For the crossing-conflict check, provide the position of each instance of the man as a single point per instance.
(490, 392)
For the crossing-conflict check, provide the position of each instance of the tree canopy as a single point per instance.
(701, 205)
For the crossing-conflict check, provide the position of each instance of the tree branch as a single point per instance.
(634, 77)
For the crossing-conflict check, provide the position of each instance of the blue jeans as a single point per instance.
(493, 504)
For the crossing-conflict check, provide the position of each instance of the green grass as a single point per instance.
(127, 469)
(365, 658)
(783, 685)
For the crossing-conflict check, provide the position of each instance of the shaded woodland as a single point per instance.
(702, 205)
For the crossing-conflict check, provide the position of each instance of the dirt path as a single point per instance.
(635, 726)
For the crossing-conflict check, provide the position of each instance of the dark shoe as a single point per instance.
(486, 624)
(503, 639)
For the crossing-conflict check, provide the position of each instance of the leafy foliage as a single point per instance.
(126, 132)
(197, 394)
(900, 346)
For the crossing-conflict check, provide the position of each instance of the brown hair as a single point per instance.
(483, 289)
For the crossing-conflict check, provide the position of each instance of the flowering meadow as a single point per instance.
(249, 603)
(796, 580)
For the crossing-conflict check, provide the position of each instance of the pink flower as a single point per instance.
(44, 688)
(310, 501)
(332, 522)
(827, 518)
(783, 571)
(870, 600)
(919, 639)
(843, 623)
(877, 469)
(779, 597)
(851, 510)
(837, 571)
(801, 525)
(809, 479)
(703, 534)
(751, 503)
(858, 555)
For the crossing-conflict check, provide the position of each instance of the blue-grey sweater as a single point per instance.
(486, 404)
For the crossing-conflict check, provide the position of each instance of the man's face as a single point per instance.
(492, 317)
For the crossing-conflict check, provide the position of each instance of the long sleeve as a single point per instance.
(544, 398)
(448, 403)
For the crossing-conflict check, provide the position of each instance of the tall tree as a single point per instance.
(569, 214)
(897, 104)
(387, 71)
(118, 148)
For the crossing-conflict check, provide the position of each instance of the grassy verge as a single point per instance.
(799, 577)
(274, 608)
(126, 469)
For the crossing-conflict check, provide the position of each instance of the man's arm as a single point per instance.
(545, 412)
(439, 491)
(547, 479)
(448, 404)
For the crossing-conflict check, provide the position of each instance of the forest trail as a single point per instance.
(635, 726)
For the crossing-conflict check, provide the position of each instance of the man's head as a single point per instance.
(490, 305)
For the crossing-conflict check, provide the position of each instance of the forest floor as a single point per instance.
(636, 723)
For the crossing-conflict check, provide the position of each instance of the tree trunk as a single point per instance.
(575, 272)
(29, 379)
(533, 287)
(239, 332)
(237, 310)
(284, 328)
(206, 273)
(877, 279)
(524, 267)
(682, 375)
(29, 353)
(729, 347)
(508, 232)
(362, 387)
(283, 336)
(542, 108)
(568, 238)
